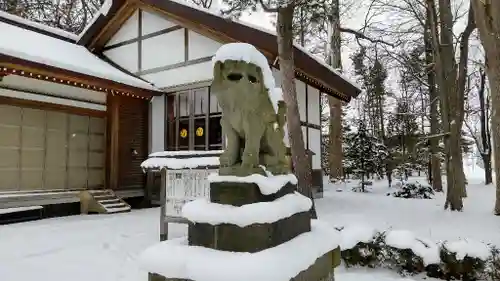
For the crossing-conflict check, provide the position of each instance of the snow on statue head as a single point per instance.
(253, 112)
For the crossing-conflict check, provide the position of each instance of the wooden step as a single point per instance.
(103, 201)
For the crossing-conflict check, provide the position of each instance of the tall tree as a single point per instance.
(487, 14)
(335, 61)
(435, 170)
(451, 84)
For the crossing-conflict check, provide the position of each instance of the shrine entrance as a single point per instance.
(193, 121)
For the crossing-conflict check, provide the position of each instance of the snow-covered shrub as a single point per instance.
(364, 253)
(408, 254)
(402, 251)
(414, 190)
(492, 270)
(463, 260)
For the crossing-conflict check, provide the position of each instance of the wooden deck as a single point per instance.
(50, 197)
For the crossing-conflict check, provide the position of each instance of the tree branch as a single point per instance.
(360, 35)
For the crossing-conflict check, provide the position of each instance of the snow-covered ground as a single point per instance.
(105, 247)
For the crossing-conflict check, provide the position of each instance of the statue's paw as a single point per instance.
(278, 170)
(227, 160)
(246, 170)
(250, 160)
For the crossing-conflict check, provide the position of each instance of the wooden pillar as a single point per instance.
(113, 121)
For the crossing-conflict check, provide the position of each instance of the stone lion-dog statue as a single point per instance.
(252, 125)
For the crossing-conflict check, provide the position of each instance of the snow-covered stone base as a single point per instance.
(203, 211)
(175, 259)
(268, 184)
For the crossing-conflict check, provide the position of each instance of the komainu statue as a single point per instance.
(252, 117)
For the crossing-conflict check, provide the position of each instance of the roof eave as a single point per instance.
(331, 82)
(18, 66)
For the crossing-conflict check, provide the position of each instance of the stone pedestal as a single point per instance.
(252, 238)
(257, 237)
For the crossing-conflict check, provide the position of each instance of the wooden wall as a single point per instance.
(128, 142)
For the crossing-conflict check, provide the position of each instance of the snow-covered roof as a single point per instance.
(104, 10)
(36, 25)
(331, 69)
(40, 48)
(328, 79)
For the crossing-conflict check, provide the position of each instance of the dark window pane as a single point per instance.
(171, 135)
(171, 108)
(215, 136)
(199, 132)
(183, 133)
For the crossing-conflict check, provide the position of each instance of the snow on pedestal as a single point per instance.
(267, 185)
(175, 259)
(203, 211)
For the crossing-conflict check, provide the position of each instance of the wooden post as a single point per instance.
(113, 122)
(163, 223)
(163, 201)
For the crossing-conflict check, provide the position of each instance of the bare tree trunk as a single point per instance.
(494, 79)
(335, 60)
(488, 23)
(435, 173)
(451, 83)
(437, 182)
(485, 149)
(335, 146)
(435, 163)
(287, 69)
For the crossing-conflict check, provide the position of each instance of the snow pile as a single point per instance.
(267, 185)
(469, 248)
(175, 259)
(180, 163)
(351, 235)
(404, 239)
(203, 211)
(249, 54)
